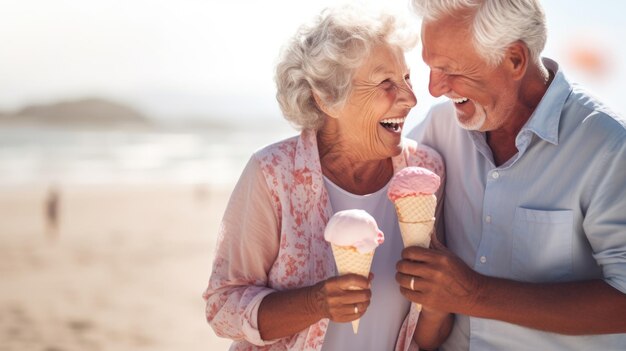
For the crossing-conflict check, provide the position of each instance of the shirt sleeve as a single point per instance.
(605, 220)
(247, 246)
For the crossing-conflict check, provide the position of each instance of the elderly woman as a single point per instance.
(345, 83)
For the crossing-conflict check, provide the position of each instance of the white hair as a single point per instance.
(322, 57)
(495, 24)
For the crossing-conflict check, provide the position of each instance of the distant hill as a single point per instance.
(89, 112)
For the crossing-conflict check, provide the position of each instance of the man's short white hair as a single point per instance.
(323, 56)
(495, 24)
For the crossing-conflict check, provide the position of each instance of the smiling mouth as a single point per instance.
(393, 124)
(459, 101)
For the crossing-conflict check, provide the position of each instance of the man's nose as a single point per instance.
(438, 83)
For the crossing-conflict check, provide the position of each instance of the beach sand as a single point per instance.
(124, 269)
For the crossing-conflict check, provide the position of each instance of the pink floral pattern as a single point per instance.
(293, 174)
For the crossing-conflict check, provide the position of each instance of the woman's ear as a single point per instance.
(322, 106)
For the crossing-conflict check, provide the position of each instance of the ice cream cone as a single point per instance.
(349, 260)
(412, 192)
(416, 208)
(416, 217)
(416, 234)
(354, 236)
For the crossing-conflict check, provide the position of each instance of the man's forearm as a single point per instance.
(432, 329)
(574, 308)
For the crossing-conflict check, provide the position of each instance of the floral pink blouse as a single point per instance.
(272, 238)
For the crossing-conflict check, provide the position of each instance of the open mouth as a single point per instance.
(393, 124)
(460, 101)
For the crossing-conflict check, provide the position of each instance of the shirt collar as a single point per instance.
(544, 122)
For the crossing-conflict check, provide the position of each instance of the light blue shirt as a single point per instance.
(554, 212)
(380, 326)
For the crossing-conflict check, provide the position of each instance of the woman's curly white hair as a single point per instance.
(323, 56)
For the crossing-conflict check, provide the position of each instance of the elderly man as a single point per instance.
(535, 201)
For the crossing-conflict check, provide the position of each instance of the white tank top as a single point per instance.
(379, 327)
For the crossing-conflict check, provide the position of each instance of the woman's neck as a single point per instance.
(348, 169)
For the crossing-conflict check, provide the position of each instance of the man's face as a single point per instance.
(483, 96)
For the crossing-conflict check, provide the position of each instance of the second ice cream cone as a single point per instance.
(416, 234)
(412, 191)
(415, 208)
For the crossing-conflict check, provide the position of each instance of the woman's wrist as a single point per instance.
(284, 313)
(314, 300)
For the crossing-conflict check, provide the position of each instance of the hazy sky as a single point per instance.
(216, 58)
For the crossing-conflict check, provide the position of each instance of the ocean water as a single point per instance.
(40, 154)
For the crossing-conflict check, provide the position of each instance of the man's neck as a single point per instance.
(532, 89)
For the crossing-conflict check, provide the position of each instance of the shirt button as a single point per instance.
(495, 175)
(483, 259)
(488, 219)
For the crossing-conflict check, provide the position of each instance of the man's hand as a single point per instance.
(441, 280)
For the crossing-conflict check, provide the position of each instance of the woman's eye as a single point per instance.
(387, 83)
(407, 79)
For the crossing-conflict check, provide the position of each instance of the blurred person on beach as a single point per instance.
(535, 202)
(344, 83)
(51, 210)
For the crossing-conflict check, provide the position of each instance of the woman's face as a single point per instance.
(371, 121)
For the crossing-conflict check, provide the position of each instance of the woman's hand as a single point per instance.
(284, 313)
(344, 298)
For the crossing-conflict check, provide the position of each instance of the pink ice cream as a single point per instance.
(355, 228)
(412, 181)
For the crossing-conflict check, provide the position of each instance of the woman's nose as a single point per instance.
(407, 97)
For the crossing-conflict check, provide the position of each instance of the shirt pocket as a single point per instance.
(542, 245)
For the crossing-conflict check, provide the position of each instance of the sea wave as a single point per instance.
(39, 154)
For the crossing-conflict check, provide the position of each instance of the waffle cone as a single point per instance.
(416, 216)
(349, 260)
(355, 325)
(416, 234)
(418, 208)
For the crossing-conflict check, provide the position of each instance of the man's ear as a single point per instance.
(322, 106)
(517, 58)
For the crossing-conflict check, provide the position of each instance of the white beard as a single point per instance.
(476, 121)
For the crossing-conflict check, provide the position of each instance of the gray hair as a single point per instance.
(495, 24)
(322, 57)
